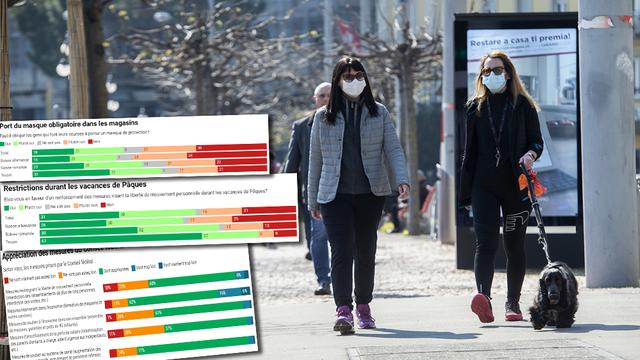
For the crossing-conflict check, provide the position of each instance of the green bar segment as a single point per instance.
(183, 228)
(72, 224)
(197, 295)
(198, 279)
(70, 173)
(230, 235)
(199, 309)
(90, 231)
(80, 215)
(151, 221)
(48, 159)
(196, 345)
(62, 166)
(94, 158)
(157, 213)
(209, 324)
(40, 152)
(114, 164)
(94, 151)
(143, 171)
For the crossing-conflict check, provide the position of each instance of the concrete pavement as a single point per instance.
(607, 327)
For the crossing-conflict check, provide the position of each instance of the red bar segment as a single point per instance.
(283, 233)
(268, 209)
(231, 147)
(110, 287)
(108, 304)
(224, 154)
(111, 317)
(115, 333)
(280, 225)
(276, 217)
(229, 169)
(249, 161)
(113, 353)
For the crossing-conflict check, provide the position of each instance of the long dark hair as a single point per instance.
(336, 101)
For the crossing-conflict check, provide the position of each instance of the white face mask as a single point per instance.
(353, 88)
(494, 82)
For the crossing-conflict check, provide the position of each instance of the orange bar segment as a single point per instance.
(198, 170)
(245, 226)
(208, 219)
(195, 162)
(133, 285)
(222, 211)
(159, 156)
(134, 315)
(119, 303)
(156, 149)
(126, 352)
(267, 233)
(147, 330)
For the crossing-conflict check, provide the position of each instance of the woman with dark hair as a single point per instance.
(502, 131)
(353, 141)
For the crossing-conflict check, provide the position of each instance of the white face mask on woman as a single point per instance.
(353, 88)
(494, 82)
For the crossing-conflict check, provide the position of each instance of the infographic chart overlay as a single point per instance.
(161, 303)
(153, 212)
(140, 147)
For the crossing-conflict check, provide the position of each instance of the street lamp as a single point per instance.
(110, 85)
(63, 69)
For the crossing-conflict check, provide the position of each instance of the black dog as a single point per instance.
(557, 299)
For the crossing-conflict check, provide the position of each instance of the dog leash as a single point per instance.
(542, 235)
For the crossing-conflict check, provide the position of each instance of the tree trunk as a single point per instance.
(98, 95)
(408, 111)
(78, 60)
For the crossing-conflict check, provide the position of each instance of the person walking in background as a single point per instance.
(297, 161)
(353, 140)
(502, 131)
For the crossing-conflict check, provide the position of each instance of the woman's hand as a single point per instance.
(316, 214)
(527, 160)
(403, 189)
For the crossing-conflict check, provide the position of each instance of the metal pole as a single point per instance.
(608, 145)
(5, 114)
(78, 60)
(5, 96)
(328, 39)
(446, 188)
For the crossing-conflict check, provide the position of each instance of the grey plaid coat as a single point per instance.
(382, 156)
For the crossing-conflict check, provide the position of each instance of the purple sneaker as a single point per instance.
(365, 320)
(344, 322)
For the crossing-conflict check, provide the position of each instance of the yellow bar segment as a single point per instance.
(243, 226)
(223, 211)
(134, 315)
(127, 352)
(209, 219)
(119, 303)
(268, 233)
(159, 156)
(133, 285)
(147, 330)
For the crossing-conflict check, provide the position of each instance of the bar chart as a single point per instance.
(163, 303)
(151, 147)
(150, 213)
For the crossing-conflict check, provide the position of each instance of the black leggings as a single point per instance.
(352, 224)
(516, 207)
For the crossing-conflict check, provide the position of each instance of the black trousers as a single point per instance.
(486, 202)
(352, 221)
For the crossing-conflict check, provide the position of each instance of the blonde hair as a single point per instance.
(514, 85)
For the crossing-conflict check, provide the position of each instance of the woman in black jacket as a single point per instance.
(502, 131)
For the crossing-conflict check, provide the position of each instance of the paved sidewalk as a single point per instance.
(607, 327)
(421, 303)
